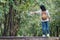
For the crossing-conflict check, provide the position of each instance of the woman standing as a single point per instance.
(45, 17)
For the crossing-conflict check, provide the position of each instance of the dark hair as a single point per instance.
(42, 7)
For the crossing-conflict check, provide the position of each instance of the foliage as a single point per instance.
(30, 25)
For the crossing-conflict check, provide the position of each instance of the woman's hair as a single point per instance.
(42, 7)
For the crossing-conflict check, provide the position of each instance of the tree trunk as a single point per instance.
(11, 22)
(16, 21)
(10, 19)
(5, 32)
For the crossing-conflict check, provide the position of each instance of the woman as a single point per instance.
(45, 17)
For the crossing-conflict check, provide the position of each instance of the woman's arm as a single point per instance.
(35, 12)
(48, 15)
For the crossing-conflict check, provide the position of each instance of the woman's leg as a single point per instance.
(44, 28)
(47, 28)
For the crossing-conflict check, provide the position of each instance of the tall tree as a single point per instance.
(10, 17)
(5, 32)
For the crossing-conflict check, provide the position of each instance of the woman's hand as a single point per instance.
(31, 12)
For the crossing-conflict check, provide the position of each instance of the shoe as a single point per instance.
(43, 35)
(48, 35)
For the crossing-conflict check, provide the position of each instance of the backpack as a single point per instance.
(44, 15)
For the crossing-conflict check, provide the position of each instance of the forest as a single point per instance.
(15, 18)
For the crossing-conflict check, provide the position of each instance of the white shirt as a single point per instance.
(40, 13)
